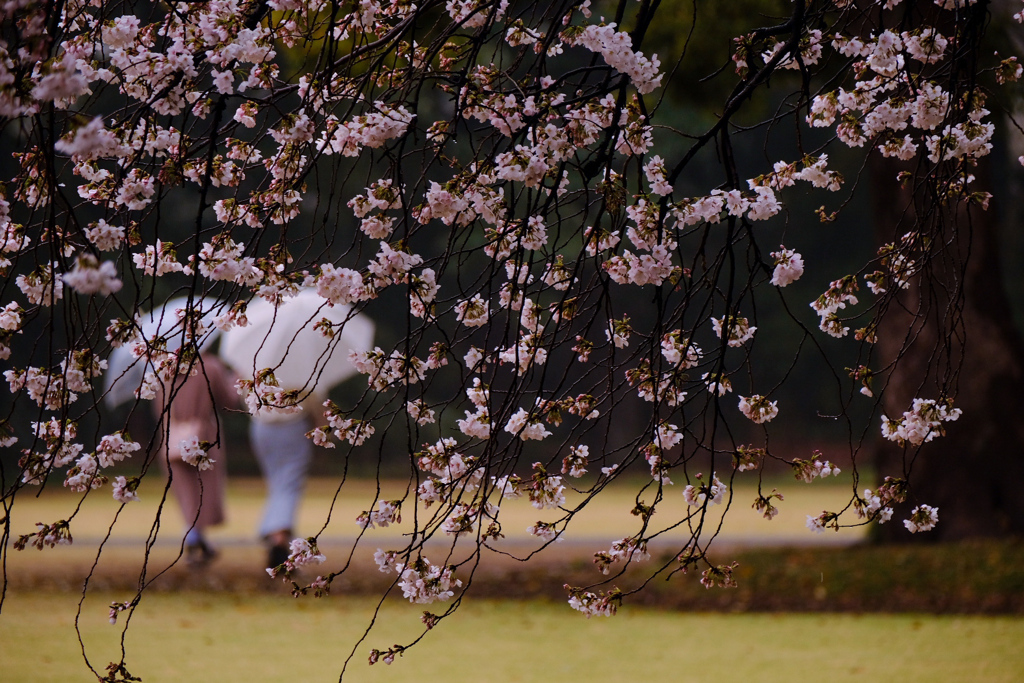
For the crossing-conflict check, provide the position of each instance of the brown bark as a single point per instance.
(964, 342)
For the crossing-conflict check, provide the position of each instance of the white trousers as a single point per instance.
(283, 453)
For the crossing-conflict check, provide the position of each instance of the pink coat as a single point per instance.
(194, 402)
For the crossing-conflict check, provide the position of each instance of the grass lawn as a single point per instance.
(981, 577)
(607, 518)
(227, 627)
(253, 638)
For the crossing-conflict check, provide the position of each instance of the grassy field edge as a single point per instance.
(971, 577)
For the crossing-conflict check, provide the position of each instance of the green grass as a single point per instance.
(606, 519)
(251, 639)
(979, 577)
(607, 516)
(984, 576)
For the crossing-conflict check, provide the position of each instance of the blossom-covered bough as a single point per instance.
(506, 176)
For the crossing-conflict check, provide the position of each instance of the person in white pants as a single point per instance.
(284, 453)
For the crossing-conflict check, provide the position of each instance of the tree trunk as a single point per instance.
(974, 474)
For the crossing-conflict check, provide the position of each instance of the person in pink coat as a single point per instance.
(187, 415)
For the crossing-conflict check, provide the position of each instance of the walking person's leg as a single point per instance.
(201, 506)
(284, 454)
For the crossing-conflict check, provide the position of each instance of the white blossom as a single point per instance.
(789, 266)
(922, 518)
(758, 408)
(195, 453)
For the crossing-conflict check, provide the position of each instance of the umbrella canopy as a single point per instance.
(284, 339)
(125, 372)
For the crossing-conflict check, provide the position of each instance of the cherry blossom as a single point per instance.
(808, 470)
(738, 331)
(124, 489)
(423, 583)
(195, 452)
(544, 240)
(920, 424)
(388, 512)
(922, 518)
(758, 408)
(705, 493)
(789, 266)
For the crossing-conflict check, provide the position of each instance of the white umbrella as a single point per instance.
(284, 339)
(125, 372)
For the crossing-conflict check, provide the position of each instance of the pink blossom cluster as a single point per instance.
(420, 412)
(747, 458)
(719, 575)
(738, 331)
(789, 266)
(575, 464)
(196, 453)
(705, 493)
(546, 531)
(836, 297)
(594, 604)
(758, 409)
(654, 388)
(423, 583)
(616, 48)
(922, 423)
(679, 350)
(302, 552)
(665, 438)
(922, 518)
(46, 535)
(125, 489)
(388, 512)
(808, 53)
(545, 490)
(877, 505)
(353, 430)
(764, 505)
(466, 518)
(59, 449)
(826, 520)
(262, 395)
(394, 369)
(808, 470)
(894, 107)
(477, 423)
(626, 550)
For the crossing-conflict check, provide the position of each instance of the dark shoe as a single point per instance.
(199, 554)
(277, 556)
